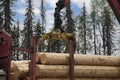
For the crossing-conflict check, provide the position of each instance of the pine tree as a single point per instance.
(108, 28)
(84, 32)
(15, 40)
(28, 27)
(38, 33)
(43, 20)
(7, 13)
(42, 10)
(104, 24)
(28, 23)
(93, 22)
(1, 20)
(15, 35)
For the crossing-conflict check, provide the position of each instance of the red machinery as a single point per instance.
(5, 55)
(5, 42)
(32, 52)
(115, 5)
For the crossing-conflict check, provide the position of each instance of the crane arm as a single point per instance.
(57, 17)
(115, 5)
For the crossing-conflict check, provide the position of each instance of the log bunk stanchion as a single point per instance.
(32, 66)
(71, 60)
(33, 59)
(70, 46)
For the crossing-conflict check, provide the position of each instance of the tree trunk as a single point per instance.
(95, 52)
(104, 40)
(84, 24)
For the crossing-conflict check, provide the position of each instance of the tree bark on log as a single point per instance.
(62, 71)
(95, 60)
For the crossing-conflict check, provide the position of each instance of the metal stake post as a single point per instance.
(71, 61)
(33, 59)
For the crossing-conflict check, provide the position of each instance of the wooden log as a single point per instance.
(18, 63)
(61, 71)
(63, 59)
(21, 71)
(75, 78)
(12, 77)
(38, 57)
(78, 79)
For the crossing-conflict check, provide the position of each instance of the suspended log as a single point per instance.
(18, 63)
(63, 59)
(61, 71)
(78, 79)
(21, 71)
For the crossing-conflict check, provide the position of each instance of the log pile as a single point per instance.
(54, 66)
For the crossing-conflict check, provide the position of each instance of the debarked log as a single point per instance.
(95, 60)
(62, 71)
(21, 71)
(18, 63)
(78, 79)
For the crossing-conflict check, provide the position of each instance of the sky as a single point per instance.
(20, 7)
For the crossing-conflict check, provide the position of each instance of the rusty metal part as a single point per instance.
(33, 59)
(71, 60)
(22, 49)
(32, 51)
(5, 57)
(115, 5)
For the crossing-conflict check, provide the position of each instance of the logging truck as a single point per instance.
(45, 66)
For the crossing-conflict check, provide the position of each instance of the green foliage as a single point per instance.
(28, 23)
(6, 11)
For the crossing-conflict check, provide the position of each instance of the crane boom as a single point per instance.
(115, 5)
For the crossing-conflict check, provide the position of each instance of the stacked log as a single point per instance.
(87, 67)
(18, 63)
(75, 78)
(15, 64)
(21, 71)
(79, 79)
(63, 59)
(62, 71)
(12, 76)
